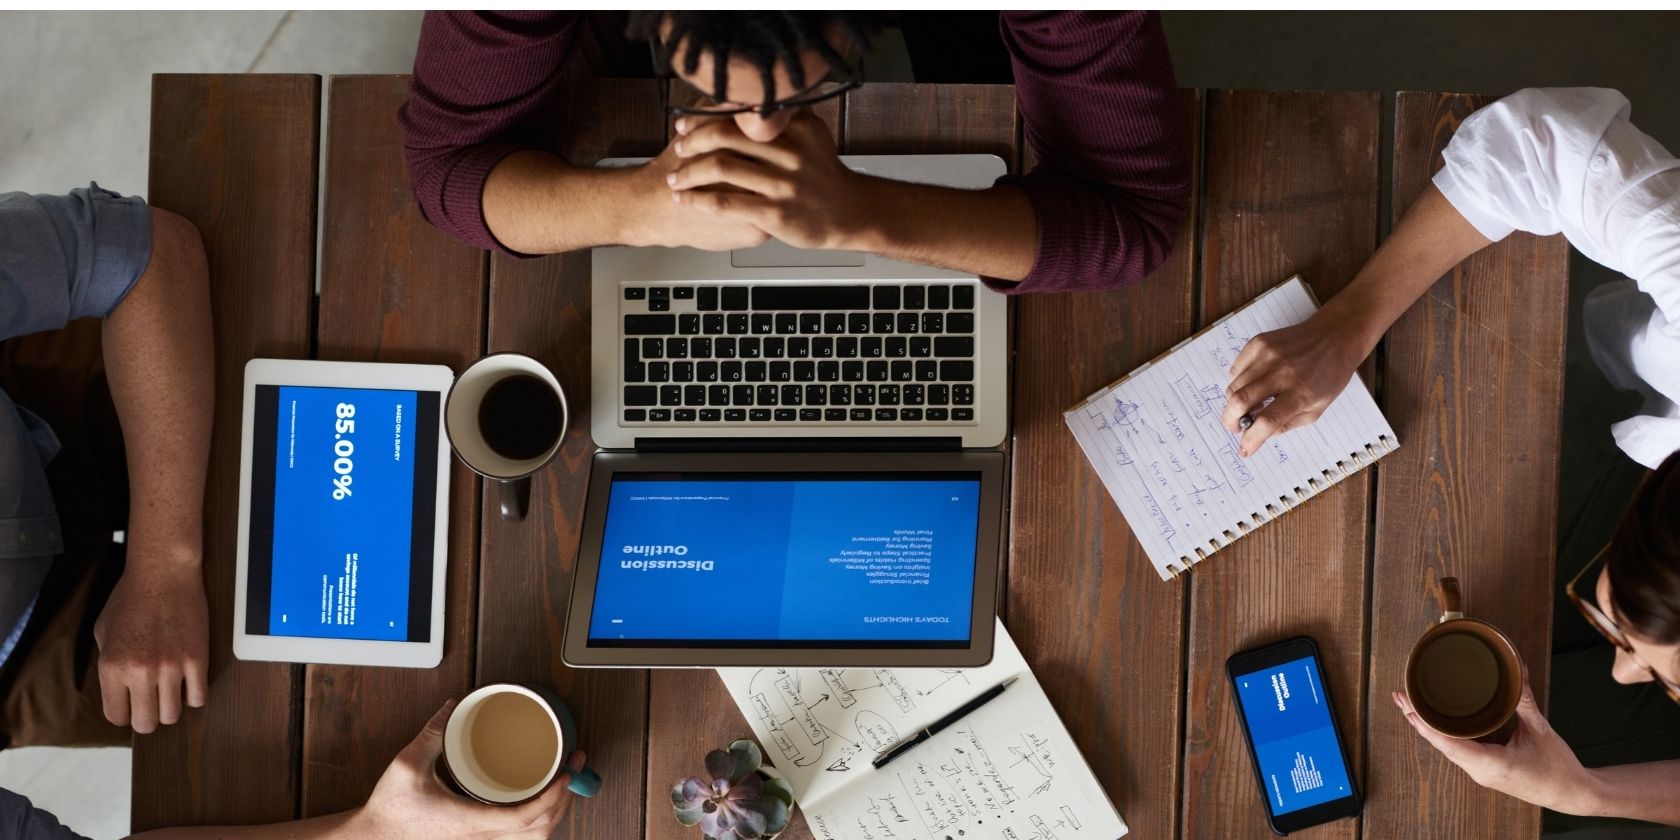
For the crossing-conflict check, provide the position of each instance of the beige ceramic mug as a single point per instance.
(1464, 677)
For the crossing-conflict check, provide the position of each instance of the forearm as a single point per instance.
(536, 203)
(1630, 791)
(316, 828)
(991, 232)
(158, 358)
(1431, 238)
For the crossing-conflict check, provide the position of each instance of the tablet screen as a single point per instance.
(343, 513)
(788, 560)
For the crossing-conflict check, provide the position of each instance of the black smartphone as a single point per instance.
(1283, 702)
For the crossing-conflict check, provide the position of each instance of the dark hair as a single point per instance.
(1643, 557)
(762, 38)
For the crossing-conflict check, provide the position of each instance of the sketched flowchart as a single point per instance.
(805, 732)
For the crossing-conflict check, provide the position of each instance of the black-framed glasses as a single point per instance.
(1601, 621)
(798, 100)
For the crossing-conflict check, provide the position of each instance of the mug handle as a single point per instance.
(515, 497)
(585, 782)
(1452, 603)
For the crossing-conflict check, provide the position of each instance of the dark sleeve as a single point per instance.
(20, 820)
(64, 257)
(1102, 112)
(482, 89)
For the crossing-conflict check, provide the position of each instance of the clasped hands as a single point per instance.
(725, 190)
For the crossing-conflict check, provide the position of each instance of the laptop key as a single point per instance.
(962, 395)
(659, 415)
(828, 371)
(786, 415)
(706, 298)
(682, 293)
(851, 371)
(886, 414)
(635, 293)
(877, 371)
(809, 296)
(938, 415)
(840, 395)
(886, 394)
(809, 415)
(730, 372)
(767, 394)
(962, 297)
(723, 348)
(717, 395)
(863, 394)
(962, 414)
(886, 297)
(871, 347)
(711, 415)
(734, 298)
(659, 371)
(634, 371)
(882, 324)
(960, 322)
(741, 395)
(816, 395)
(711, 324)
(810, 323)
(670, 395)
(694, 395)
(947, 346)
(653, 348)
(763, 323)
(706, 372)
(822, 347)
(759, 415)
(857, 323)
(683, 415)
(860, 414)
(737, 323)
(781, 371)
(804, 371)
(799, 347)
(933, 322)
(793, 395)
(735, 415)
(835, 415)
(688, 323)
(757, 371)
(939, 394)
(676, 348)
(956, 371)
(928, 371)
(912, 414)
(682, 371)
(915, 394)
(897, 347)
(939, 297)
(787, 323)
(700, 348)
(834, 323)
(641, 395)
(662, 304)
(650, 324)
(921, 347)
(914, 296)
(748, 348)
(908, 323)
(775, 347)
(846, 347)
(635, 415)
(903, 372)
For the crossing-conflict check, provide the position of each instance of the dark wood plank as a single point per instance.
(237, 156)
(1084, 602)
(1292, 187)
(393, 289)
(1473, 383)
(541, 308)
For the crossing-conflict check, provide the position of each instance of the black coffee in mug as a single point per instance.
(519, 417)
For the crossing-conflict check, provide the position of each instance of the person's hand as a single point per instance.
(153, 638)
(1301, 369)
(666, 222)
(793, 188)
(410, 801)
(1535, 766)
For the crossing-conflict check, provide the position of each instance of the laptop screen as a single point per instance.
(788, 560)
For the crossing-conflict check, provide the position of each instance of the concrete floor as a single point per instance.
(76, 109)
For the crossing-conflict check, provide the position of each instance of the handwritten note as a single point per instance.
(1156, 441)
(1008, 771)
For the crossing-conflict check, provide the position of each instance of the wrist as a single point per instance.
(1587, 795)
(872, 225)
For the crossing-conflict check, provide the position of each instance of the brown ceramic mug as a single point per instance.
(1464, 677)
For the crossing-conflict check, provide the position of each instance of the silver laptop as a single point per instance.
(775, 342)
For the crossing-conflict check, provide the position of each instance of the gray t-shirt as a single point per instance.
(21, 820)
(62, 257)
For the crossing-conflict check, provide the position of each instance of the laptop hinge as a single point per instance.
(800, 444)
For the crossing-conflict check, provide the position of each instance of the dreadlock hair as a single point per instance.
(1643, 558)
(762, 38)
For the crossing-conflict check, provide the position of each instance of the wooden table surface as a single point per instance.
(1288, 182)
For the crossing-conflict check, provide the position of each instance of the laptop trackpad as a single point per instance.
(778, 254)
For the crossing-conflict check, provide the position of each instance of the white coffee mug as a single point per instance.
(504, 743)
(465, 422)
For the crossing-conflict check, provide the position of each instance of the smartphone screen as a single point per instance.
(1303, 772)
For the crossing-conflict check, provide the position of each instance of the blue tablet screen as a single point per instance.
(1294, 738)
(779, 559)
(344, 496)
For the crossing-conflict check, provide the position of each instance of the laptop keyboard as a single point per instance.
(886, 353)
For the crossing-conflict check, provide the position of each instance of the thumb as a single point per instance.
(1529, 710)
(426, 746)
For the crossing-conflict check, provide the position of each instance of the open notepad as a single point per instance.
(1006, 771)
(1156, 440)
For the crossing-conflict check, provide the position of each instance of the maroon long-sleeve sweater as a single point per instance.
(1095, 91)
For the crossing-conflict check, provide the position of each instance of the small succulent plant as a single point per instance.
(734, 801)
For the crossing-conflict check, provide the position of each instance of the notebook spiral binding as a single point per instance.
(1355, 462)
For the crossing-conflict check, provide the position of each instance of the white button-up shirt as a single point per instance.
(1567, 160)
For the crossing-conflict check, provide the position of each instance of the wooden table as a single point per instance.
(1288, 182)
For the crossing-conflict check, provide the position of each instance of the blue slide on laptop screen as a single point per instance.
(787, 559)
(342, 513)
(1294, 738)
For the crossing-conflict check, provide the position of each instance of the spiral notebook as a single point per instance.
(1155, 439)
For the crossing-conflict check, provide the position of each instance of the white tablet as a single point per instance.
(343, 514)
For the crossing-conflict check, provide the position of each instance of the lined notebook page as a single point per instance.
(1156, 441)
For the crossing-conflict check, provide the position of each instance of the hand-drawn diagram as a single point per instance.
(803, 734)
(1200, 399)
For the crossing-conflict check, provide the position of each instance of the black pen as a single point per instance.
(933, 729)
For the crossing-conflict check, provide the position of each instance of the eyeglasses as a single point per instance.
(804, 99)
(1601, 622)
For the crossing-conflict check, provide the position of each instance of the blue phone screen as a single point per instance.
(1295, 742)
